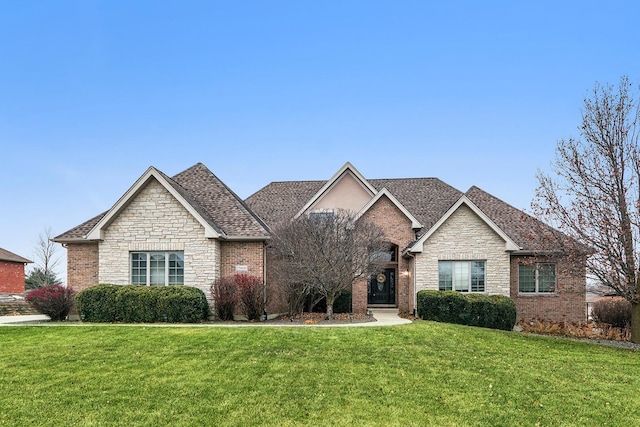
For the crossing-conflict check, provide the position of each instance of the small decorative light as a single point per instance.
(264, 315)
(165, 317)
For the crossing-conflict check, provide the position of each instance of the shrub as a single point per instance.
(181, 304)
(142, 304)
(441, 306)
(224, 297)
(615, 311)
(505, 313)
(136, 304)
(97, 303)
(55, 301)
(342, 303)
(250, 291)
(495, 311)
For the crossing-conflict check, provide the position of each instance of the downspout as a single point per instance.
(264, 273)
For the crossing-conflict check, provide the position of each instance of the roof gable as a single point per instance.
(510, 245)
(5, 255)
(415, 224)
(210, 229)
(346, 172)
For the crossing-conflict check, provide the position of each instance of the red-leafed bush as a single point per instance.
(240, 290)
(55, 301)
(225, 298)
(250, 294)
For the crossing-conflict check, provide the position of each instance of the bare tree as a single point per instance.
(325, 254)
(595, 195)
(46, 262)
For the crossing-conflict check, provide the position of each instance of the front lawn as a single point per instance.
(421, 374)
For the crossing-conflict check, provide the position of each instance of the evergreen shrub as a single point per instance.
(488, 311)
(142, 304)
(97, 303)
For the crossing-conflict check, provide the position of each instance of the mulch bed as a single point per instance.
(321, 318)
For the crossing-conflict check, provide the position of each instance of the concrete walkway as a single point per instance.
(384, 317)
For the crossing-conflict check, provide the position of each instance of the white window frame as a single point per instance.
(147, 268)
(536, 267)
(469, 268)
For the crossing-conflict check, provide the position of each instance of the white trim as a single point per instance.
(347, 168)
(415, 224)
(510, 245)
(97, 232)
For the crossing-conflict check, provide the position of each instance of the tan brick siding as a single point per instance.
(464, 236)
(242, 254)
(155, 221)
(567, 304)
(82, 265)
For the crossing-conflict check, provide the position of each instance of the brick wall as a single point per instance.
(82, 265)
(242, 254)
(567, 304)
(11, 277)
(465, 236)
(397, 229)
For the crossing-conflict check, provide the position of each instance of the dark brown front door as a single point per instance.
(382, 287)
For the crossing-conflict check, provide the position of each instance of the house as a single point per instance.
(192, 229)
(441, 238)
(188, 229)
(12, 272)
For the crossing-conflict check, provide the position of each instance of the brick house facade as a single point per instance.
(434, 229)
(438, 236)
(190, 229)
(12, 272)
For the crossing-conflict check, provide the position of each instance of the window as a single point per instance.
(537, 278)
(321, 215)
(462, 276)
(157, 268)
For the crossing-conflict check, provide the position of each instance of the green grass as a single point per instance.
(421, 374)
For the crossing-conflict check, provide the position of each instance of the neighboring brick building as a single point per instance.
(192, 229)
(441, 238)
(12, 272)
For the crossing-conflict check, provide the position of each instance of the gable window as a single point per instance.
(462, 276)
(157, 268)
(321, 215)
(537, 278)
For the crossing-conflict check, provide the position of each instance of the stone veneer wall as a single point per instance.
(464, 236)
(567, 304)
(82, 265)
(155, 221)
(397, 229)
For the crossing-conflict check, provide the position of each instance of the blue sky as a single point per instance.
(92, 93)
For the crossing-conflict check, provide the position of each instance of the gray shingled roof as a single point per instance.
(209, 196)
(528, 232)
(428, 199)
(223, 206)
(5, 255)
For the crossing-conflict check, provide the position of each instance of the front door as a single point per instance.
(382, 287)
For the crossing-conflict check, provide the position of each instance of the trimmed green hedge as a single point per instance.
(142, 304)
(488, 311)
